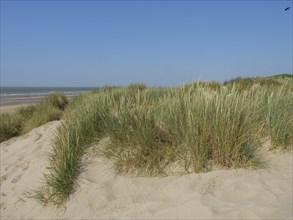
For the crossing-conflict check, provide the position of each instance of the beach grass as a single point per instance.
(272, 83)
(49, 109)
(11, 126)
(280, 118)
(26, 118)
(196, 128)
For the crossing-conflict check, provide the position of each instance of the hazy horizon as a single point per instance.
(159, 43)
(117, 85)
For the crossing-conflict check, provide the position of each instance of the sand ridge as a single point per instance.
(102, 194)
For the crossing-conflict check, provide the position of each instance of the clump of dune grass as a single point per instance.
(81, 126)
(197, 127)
(49, 109)
(280, 118)
(216, 130)
(272, 83)
(12, 124)
(56, 100)
(283, 76)
(137, 143)
(26, 112)
(146, 135)
(25, 118)
(151, 129)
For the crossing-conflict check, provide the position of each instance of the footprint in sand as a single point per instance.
(2, 206)
(12, 167)
(3, 178)
(24, 166)
(16, 179)
(209, 186)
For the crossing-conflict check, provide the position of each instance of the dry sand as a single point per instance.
(223, 194)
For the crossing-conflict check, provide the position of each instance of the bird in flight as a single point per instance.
(286, 9)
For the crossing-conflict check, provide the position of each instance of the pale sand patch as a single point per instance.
(223, 194)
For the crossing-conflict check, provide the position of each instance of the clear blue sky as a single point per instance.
(93, 43)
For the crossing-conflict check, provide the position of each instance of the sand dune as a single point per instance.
(222, 194)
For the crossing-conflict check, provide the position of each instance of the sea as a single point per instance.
(11, 95)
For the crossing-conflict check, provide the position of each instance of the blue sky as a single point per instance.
(160, 43)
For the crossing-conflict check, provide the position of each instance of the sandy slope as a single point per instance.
(235, 194)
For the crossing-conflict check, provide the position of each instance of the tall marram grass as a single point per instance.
(213, 130)
(280, 117)
(81, 125)
(49, 109)
(149, 130)
(147, 136)
(26, 118)
(272, 83)
(12, 124)
(137, 143)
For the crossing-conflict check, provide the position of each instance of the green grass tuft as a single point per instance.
(26, 118)
(196, 127)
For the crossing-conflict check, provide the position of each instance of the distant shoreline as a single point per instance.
(9, 104)
(18, 100)
(26, 95)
